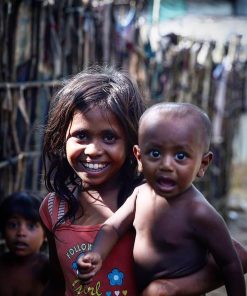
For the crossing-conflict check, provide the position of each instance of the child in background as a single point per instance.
(24, 269)
(175, 225)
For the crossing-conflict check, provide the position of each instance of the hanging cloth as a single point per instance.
(220, 101)
(124, 30)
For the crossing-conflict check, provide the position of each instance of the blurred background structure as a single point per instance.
(183, 50)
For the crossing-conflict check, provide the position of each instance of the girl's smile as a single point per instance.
(94, 166)
(95, 146)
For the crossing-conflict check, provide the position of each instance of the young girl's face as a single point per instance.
(23, 237)
(95, 147)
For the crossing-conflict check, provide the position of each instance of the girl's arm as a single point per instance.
(203, 281)
(56, 284)
(211, 229)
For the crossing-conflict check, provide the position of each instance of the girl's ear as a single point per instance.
(137, 153)
(206, 159)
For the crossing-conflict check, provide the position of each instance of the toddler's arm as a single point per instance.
(90, 263)
(107, 237)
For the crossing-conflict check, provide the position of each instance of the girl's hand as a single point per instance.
(88, 265)
(200, 282)
(160, 288)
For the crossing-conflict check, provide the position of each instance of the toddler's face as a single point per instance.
(171, 153)
(23, 237)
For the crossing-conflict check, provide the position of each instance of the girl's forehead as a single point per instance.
(96, 119)
(94, 114)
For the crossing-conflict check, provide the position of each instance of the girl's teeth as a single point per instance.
(94, 166)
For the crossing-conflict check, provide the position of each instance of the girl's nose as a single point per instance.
(93, 149)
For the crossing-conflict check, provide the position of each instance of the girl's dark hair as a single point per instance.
(110, 90)
(23, 203)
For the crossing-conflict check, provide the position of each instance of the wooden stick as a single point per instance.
(18, 157)
(29, 84)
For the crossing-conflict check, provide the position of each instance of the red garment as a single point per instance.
(116, 276)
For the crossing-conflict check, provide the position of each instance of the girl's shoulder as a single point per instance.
(52, 209)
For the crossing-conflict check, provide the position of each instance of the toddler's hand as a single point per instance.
(88, 265)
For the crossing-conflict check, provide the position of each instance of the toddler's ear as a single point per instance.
(137, 153)
(206, 159)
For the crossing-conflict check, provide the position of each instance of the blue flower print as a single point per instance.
(74, 265)
(116, 277)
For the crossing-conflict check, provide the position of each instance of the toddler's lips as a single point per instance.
(166, 183)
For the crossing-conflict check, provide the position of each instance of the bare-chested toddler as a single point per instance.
(175, 225)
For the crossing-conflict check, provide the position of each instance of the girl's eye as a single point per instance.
(110, 138)
(180, 156)
(81, 135)
(154, 153)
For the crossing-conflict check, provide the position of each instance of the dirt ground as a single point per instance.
(237, 212)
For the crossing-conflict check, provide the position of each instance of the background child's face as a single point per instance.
(171, 152)
(95, 146)
(23, 237)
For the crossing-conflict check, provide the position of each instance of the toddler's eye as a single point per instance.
(154, 153)
(180, 156)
